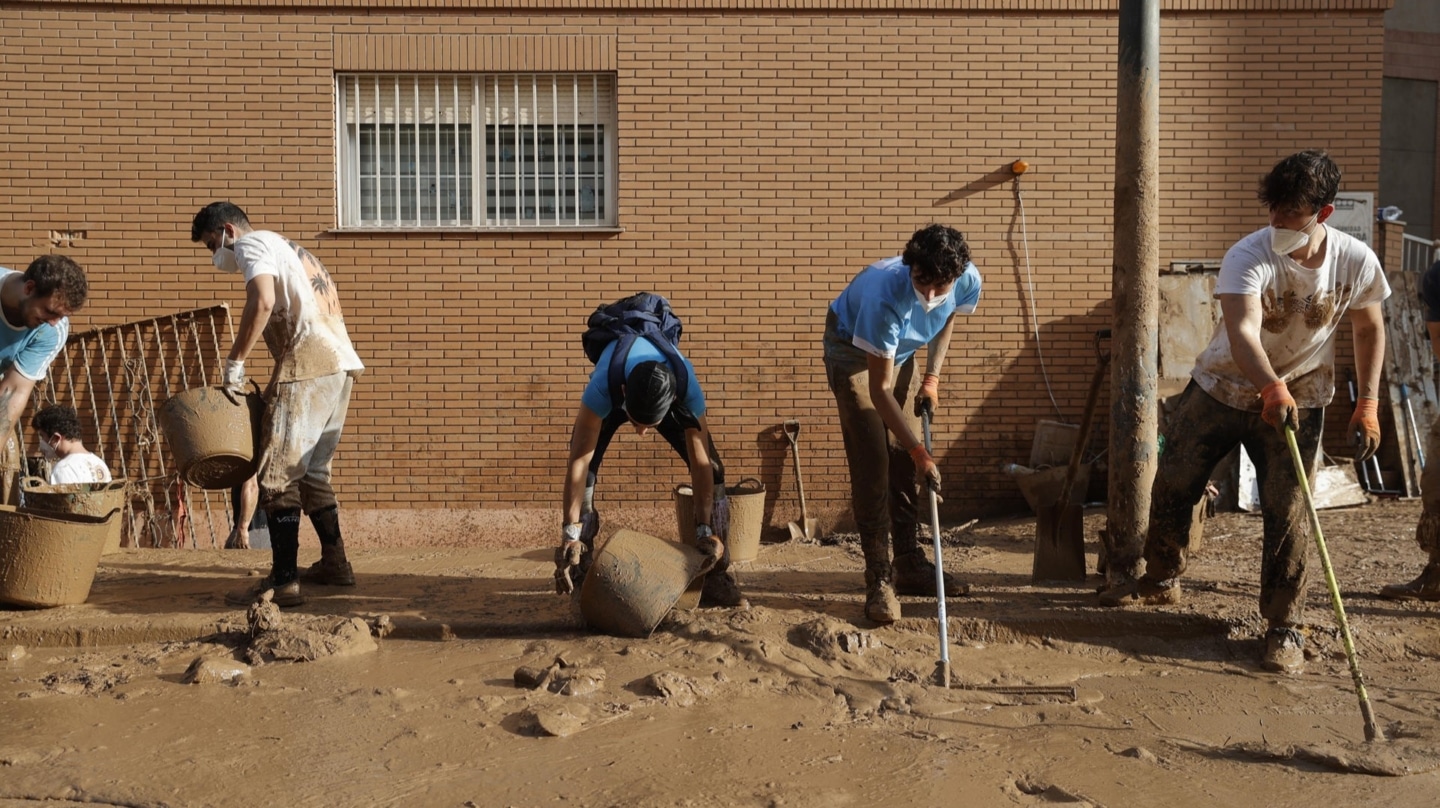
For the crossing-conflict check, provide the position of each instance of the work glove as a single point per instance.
(234, 380)
(568, 558)
(927, 474)
(1280, 408)
(929, 396)
(1365, 426)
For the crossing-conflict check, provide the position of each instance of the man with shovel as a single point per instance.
(1283, 292)
(872, 332)
(1427, 532)
(660, 393)
(289, 298)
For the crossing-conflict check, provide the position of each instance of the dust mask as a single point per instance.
(1285, 241)
(224, 258)
(931, 304)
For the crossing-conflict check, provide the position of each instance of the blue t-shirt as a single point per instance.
(881, 315)
(597, 391)
(30, 350)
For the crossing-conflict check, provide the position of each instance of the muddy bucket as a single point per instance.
(747, 517)
(634, 581)
(90, 499)
(49, 559)
(213, 437)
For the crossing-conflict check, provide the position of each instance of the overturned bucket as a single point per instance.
(49, 559)
(90, 499)
(634, 581)
(747, 516)
(213, 435)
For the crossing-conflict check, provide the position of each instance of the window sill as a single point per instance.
(605, 230)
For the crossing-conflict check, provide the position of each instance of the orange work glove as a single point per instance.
(927, 474)
(1280, 408)
(1365, 426)
(929, 395)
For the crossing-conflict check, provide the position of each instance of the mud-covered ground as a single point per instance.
(797, 701)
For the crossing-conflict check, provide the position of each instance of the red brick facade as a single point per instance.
(766, 154)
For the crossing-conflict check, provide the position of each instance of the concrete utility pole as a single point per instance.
(1135, 286)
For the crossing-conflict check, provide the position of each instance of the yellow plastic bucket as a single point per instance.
(747, 517)
(90, 499)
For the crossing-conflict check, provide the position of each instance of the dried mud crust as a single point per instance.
(795, 701)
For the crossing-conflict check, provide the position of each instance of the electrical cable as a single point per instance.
(1030, 281)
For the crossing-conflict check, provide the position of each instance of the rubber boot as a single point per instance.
(283, 577)
(881, 605)
(333, 569)
(1424, 587)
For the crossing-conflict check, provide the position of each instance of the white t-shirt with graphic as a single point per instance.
(79, 467)
(1301, 309)
(306, 332)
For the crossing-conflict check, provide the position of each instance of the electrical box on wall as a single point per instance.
(1355, 215)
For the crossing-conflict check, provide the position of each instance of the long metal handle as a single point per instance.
(1372, 730)
(1410, 422)
(939, 564)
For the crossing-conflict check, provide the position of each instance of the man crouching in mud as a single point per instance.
(651, 367)
(1283, 291)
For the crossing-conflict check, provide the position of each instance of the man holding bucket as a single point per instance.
(660, 393)
(36, 305)
(291, 299)
(872, 332)
(1283, 290)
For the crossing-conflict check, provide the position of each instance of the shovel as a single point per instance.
(942, 666)
(1060, 527)
(806, 529)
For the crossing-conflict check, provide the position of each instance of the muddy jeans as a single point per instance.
(303, 422)
(883, 493)
(1198, 435)
(1427, 531)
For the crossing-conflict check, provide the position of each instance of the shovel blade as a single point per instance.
(1059, 544)
(802, 531)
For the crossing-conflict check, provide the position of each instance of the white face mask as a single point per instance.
(224, 258)
(48, 449)
(931, 304)
(1285, 241)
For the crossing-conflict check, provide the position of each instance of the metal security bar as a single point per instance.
(116, 378)
(1417, 254)
(476, 150)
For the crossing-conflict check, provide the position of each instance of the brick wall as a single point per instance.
(765, 157)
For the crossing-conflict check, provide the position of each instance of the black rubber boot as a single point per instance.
(333, 568)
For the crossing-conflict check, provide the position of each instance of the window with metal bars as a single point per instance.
(502, 150)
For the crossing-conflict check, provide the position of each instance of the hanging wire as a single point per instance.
(1030, 280)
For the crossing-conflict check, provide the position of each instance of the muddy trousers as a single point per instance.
(1427, 531)
(303, 424)
(1199, 434)
(883, 493)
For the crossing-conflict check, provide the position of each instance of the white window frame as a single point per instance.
(391, 125)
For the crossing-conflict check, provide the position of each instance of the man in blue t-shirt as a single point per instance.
(872, 331)
(648, 403)
(36, 305)
(1427, 530)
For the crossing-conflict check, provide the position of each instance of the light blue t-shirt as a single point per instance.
(30, 350)
(880, 314)
(597, 391)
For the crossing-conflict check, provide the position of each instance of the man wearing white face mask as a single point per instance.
(59, 429)
(289, 298)
(1283, 291)
(872, 332)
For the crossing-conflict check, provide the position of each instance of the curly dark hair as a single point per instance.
(60, 276)
(937, 254)
(1305, 179)
(216, 215)
(57, 418)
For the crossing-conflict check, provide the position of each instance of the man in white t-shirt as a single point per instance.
(289, 298)
(1283, 292)
(71, 463)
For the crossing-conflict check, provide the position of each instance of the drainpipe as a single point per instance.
(1134, 286)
